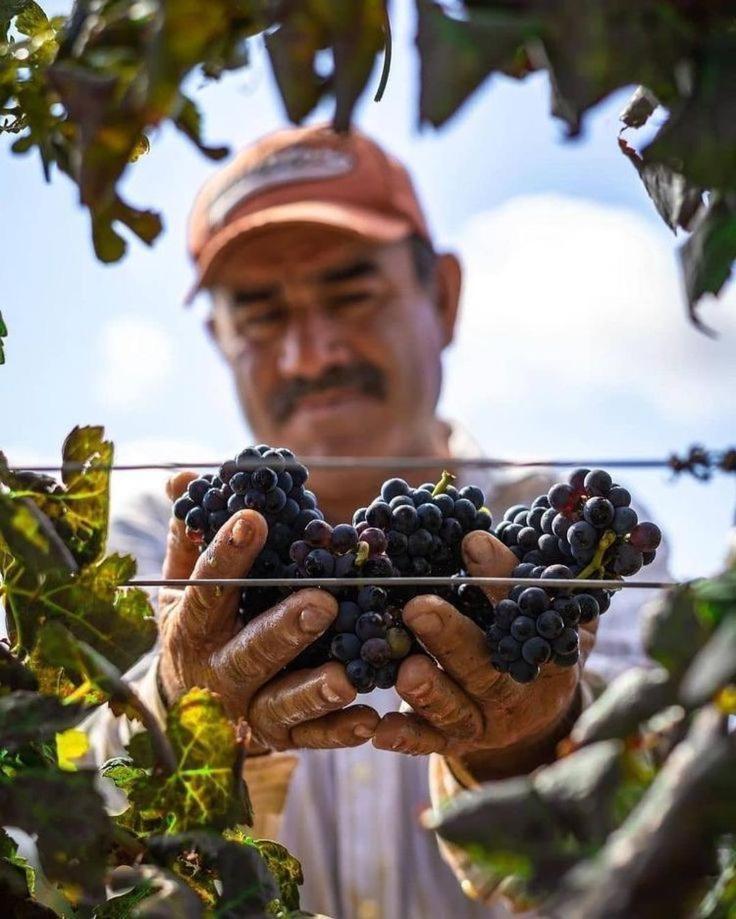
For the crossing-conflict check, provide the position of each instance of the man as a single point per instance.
(332, 310)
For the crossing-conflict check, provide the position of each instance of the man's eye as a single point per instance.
(351, 299)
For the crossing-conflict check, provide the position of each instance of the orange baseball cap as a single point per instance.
(305, 175)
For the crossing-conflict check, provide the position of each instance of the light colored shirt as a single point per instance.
(351, 816)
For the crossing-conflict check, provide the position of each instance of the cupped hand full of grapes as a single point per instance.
(461, 707)
(204, 643)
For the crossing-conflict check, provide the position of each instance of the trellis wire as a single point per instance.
(564, 583)
(699, 462)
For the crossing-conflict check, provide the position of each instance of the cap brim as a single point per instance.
(354, 221)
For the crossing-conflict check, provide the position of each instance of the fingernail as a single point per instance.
(426, 624)
(329, 695)
(477, 548)
(397, 744)
(241, 533)
(314, 619)
(363, 731)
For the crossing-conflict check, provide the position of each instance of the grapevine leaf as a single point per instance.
(31, 20)
(15, 895)
(188, 120)
(292, 49)
(11, 8)
(675, 199)
(206, 787)
(357, 37)
(673, 631)
(285, 868)
(457, 55)
(654, 864)
(639, 107)
(117, 623)
(168, 897)
(708, 255)
(248, 887)
(27, 716)
(28, 541)
(699, 138)
(632, 698)
(13, 674)
(66, 812)
(713, 667)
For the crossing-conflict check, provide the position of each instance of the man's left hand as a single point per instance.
(462, 707)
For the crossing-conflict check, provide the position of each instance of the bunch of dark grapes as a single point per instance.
(582, 528)
(421, 531)
(367, 635)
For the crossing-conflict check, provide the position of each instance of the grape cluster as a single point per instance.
(582, 528)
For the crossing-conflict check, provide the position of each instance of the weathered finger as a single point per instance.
(181, 552)
(487, 557)
(587, 637)
(300, 696)
(349, 727)
(205, 611)
(266, 644)
(408, 733)
(457, 643)
(438, 699)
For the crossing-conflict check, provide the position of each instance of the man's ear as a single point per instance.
(448, 277)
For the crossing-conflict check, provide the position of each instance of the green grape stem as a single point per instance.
(596, 565)
(441, 487)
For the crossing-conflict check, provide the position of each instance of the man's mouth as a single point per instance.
(329, 400)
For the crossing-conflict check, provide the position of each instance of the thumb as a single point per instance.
(487, 557)
(181, 552)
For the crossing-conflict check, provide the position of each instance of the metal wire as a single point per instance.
(699, 461)
(583, 584)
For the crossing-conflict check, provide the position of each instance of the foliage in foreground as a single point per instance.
(638, 819)
(181, 847)
(87, 91)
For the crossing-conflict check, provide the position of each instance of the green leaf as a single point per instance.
(11, 8)
(248, 887)
(292, 49)
(206, 789)
(708, 255)
(29, 541)
(714, 666)
(66, 812)
(32, 20)
(675, 199)
(356, 40)
(457, 55)
(168, 898)
(673, 631)
(3, 334)
(631, 699)
(188, 120)
(285, 868)
(27, 716)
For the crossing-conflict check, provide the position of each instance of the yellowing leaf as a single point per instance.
(71, 745)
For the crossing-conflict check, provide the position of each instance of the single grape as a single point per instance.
(319, 564)
(392, 488)
(396, 543)
(430, 517)
(619, 497)
(370, 625)
(561, 496)
(588, 607)
(376, 652)
(597, 483)
(404, 518)
(401, 501)
(474, 495)
(196, 519)
(645, 537)
(375, 539)
(568, 608)
(385, 676)
(264, 478)
(541, 501)
(420, 497)
(344, 538)
(345, 647)
(359, 516)
(246, 458)
(197, 489)
(227, 470)
(598, 512)
(318, 534)
(361, 675)
(399, 642)
(536, 650)
(548, 547)
(561, 525)
(583, 536)
(624, 520)
(512, 511)
(627, 560)
(527, 539)
(214, 500)
(182, 506)
(577, 480)
(255, 500)
(550, 625)
(506, 611)
(523, 627)
(533, 601)
(420, 543)
(523, 672)
(372, 598)
(566, 643)
(445, 504)
(235, 503)
(275, 500)
(557, 572)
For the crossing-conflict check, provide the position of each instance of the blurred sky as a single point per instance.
(573, 340)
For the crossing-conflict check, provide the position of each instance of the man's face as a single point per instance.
(334, 343)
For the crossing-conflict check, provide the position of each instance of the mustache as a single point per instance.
(364, 377)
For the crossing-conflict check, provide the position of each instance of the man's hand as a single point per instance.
(203, 644)
(464, 708)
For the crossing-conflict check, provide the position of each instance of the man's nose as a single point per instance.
(310, 345)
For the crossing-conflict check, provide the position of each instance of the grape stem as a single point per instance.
(441, 487)
(596, 564)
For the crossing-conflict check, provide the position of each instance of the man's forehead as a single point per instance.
(310, 256)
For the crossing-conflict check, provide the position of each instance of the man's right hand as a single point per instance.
(203, 644)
